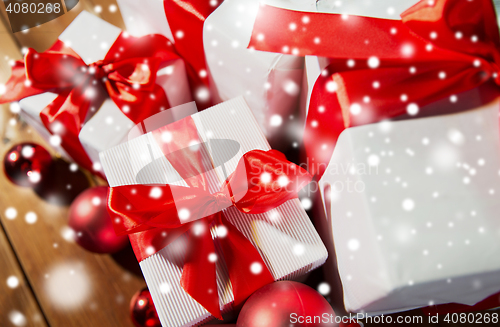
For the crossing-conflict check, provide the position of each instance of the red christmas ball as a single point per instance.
(26, 164)
(142, 310)
(286, 304)
(89, 218)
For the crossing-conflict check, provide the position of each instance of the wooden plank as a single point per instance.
(18, 305)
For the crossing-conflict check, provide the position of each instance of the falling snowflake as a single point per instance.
(324, 289)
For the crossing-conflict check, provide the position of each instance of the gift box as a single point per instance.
(412, 208)
(439, 58)
(284, 238)
(92, 39)
(270, 83)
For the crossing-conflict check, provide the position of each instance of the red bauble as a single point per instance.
(64, 184)
(89, 218)
(26, 164)
(285, 304)
(142, 310)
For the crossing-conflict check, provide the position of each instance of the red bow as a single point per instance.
(127, 75)
(245, 190)
(384, 68)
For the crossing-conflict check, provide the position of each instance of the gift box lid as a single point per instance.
(413, 207)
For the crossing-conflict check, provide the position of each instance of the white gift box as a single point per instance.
(412, 207)
(270, 82)
(285, 237)
(91, 38)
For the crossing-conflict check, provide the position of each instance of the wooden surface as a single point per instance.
(59, 283)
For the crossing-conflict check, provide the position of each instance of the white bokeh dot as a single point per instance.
(96, 201)
(408, 204)
(30, 217)
(306, 203)
(17, 318)
(355, 109)
(222, 231)
(283, 181)
(166, 137)
(12, 282)
(276, 120)
(265, 177)
(212, 257)
(55, 140)
(353, 244)
(165, 288)
(10, 213)
(373, 62)
(331, 86)
(256, 268)
(155, 192)
(324, 289)
(412, 109)
(373, 160)
(184, 214)
(298, 249)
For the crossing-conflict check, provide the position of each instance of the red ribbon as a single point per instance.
(439, 49)
(186, 19)
(154, 222)
(127, 75)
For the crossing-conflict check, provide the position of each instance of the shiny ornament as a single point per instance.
(27, 164)
(285, 304)
(64, 184)
(142, 310)
(89, 218)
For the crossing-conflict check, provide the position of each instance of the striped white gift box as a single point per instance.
(285, 237)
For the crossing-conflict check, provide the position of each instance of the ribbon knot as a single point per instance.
(127, 75)
(222, 200)
(98, 70)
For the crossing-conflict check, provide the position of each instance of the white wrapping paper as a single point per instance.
(284, 236)
(91, 38)
(413, 209)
